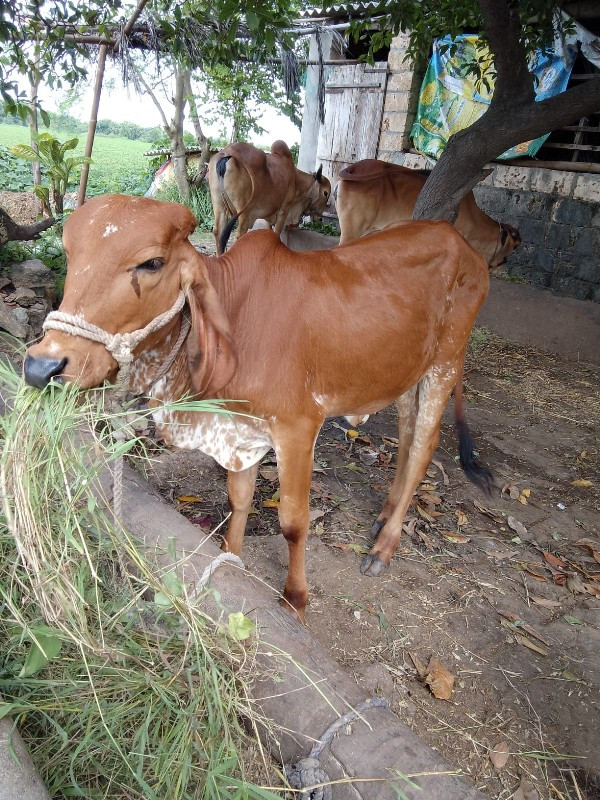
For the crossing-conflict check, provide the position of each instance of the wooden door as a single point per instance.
(354, 96)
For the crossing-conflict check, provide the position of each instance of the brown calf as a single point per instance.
(298, 336)
(373, 194)
(247, 184)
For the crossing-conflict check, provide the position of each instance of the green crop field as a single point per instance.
(118, 164)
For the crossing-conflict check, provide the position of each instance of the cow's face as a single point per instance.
(323, 196)
(509, 239)
(124, 257)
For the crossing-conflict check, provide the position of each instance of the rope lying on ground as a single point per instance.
(308, 774)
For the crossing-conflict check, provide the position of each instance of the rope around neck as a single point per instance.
(121, 347)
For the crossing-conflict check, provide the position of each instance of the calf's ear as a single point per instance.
(319, 173)
(211, 352)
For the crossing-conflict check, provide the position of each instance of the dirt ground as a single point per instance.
(503, 590)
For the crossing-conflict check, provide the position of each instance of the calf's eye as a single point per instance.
(152, 265)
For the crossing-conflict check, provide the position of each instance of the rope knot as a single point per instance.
(306, 775)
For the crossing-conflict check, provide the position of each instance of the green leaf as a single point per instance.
(46, 647)
(252, 20)
(239, 626)
(572, 620)
(24, 151)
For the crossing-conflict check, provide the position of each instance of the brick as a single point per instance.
(587, 188)
(511, 177)
(397, 101)
(396, 62)
(400, 42)
(392, 140)
(401, 82)
(552, 181)
(573, 212)
(596, 295)
(595, 221)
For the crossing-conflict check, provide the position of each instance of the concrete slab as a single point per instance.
(18, 776)
(522, 313)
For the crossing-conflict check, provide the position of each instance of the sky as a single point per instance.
(124, 105)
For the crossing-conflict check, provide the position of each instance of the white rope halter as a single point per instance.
(119, 345)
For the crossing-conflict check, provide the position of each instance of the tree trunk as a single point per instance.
(10, 231)
(203, 141)
(176, 138)
(512, 117)
(34, 82)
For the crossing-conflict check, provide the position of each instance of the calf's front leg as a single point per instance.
(240, 488)
(294, 447)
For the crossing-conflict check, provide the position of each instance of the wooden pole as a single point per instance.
(92, 123)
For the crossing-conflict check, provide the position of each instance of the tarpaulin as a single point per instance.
(452, 97)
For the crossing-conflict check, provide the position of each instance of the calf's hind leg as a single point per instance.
(433, 393)
(407, 414)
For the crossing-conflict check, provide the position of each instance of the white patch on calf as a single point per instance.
(110, 228)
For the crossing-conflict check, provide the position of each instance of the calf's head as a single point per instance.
(128, 258)
(320, 199)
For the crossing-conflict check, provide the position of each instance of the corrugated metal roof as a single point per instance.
(365, 8)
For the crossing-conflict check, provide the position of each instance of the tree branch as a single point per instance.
(502, 28)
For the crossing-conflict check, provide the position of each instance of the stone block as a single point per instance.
(400, 42)
(529, 204)
(558, 237)
(511, 177)
(492, 201)
(542, 259)
(586, 241)
(391, 139)
(396, 62)
(538, 278)
(588, 269)
(402, 82)
(573, 212)
(552, 181)
(397, 101)
(532, 230)
(572, 287)
(587, 188)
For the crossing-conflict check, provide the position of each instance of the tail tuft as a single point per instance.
(222, 166)
(475, 471)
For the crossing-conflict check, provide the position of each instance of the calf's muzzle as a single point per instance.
(39, 372)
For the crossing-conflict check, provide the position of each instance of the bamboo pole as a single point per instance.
(92, 123)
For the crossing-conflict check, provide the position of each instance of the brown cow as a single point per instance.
(373, 194)
(247, 184)
(299, 336)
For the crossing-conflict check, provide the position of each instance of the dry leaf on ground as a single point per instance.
(420, 666)
(499, 755)
(510, 490)
(438, 464)
(518, 528)
(584, 484)
(575, 584)
(544, 602)
(526, 791)
(528, 643)
(269, 473)
(461, 517)
(439, 680)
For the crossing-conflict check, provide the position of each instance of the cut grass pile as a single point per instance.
(120, 685)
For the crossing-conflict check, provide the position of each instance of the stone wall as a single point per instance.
(557, 213)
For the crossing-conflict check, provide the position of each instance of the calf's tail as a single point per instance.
(227, 202)
(475, 471)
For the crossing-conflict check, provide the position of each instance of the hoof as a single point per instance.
(376, 528)
(295, 613)
(372, 566)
